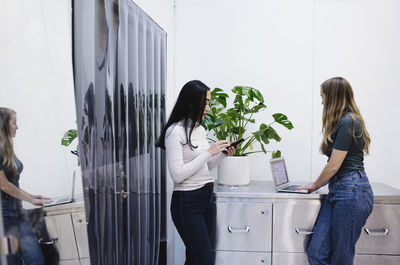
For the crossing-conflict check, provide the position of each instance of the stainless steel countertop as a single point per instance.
(265, 190)
(73, 207)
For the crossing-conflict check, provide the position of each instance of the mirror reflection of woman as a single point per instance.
(15, 219)
(190, 159)
(350, 199)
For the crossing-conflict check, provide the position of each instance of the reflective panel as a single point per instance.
(119, 67)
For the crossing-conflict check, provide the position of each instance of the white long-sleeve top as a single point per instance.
(189, 168)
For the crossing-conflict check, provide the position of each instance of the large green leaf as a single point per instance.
(259, 135)
(269, 133)
(219, 96)
(257, 108)
(69, 137)
(283, 120)
(241, 90)
(238, 102)
(258, 95)
(237, 130)
(233, 114)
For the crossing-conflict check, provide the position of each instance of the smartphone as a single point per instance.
(235, 143)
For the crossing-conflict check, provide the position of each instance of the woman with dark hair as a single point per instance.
(190, 159)
(15, 219)
(350, 199)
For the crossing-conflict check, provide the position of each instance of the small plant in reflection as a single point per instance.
(68, 138)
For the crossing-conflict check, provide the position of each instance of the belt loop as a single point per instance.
(361, 173)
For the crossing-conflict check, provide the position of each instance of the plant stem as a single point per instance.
(248, 120)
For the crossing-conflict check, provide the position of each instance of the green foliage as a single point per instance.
(230, 123)
(68, 138)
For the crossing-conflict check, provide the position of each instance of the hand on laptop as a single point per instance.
(310, 187)
(40, 200)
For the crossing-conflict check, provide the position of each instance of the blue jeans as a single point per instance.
(193, 213)
(342, 216)
(17, 224)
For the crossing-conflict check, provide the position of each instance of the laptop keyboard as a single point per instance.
(291, 187)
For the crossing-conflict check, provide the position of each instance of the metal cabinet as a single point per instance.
(381, 233)
(60, 227)
(240, 258)
(293, 224)
(69, 262)
(280, 236)
(67, 224)
(243, 233)
(244, 227)
(80, 231)
(301, 259)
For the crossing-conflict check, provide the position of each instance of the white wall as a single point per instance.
(36, 76)
(363, 46)
(287, 49)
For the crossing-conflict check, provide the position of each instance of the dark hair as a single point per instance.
(189, 109)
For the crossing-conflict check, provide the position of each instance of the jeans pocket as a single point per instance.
(368, 197)
(346, 183)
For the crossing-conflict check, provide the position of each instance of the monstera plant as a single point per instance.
(68, 137)
(231, 123)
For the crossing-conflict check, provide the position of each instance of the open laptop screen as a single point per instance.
(279, 171)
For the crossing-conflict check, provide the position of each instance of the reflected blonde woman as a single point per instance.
(15, 219)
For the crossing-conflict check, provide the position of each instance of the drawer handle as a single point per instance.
(51, 242)
(385, 232)
(233, 230)
(303, 232)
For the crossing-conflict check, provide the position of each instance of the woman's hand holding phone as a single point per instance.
(218, 147)
(230, 150)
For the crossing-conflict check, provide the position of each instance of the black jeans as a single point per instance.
(193, 213)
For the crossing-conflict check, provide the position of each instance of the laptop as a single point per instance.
(281, 178)
(67, 199)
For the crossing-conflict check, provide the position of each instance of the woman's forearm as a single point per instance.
(16, 192)
(330, 169)
(327, 173)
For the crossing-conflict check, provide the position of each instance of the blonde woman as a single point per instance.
(350, 199)
(15, 219)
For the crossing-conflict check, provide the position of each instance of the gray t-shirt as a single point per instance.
(343, 140)
(9, 202)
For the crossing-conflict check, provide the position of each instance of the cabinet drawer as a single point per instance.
(244, 227)
(69, 262)
(376, 259)
(301, 259)
(60, 226)
(384, 231)
(79, 222)
(85, 261)
(240, 258)
(292, 224)
(289, 259)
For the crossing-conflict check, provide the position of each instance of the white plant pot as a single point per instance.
(234, 171)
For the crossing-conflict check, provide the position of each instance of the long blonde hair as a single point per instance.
(338, 101)
(6, 142)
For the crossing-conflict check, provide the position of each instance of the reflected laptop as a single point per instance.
(64, 200)
(280, 176)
